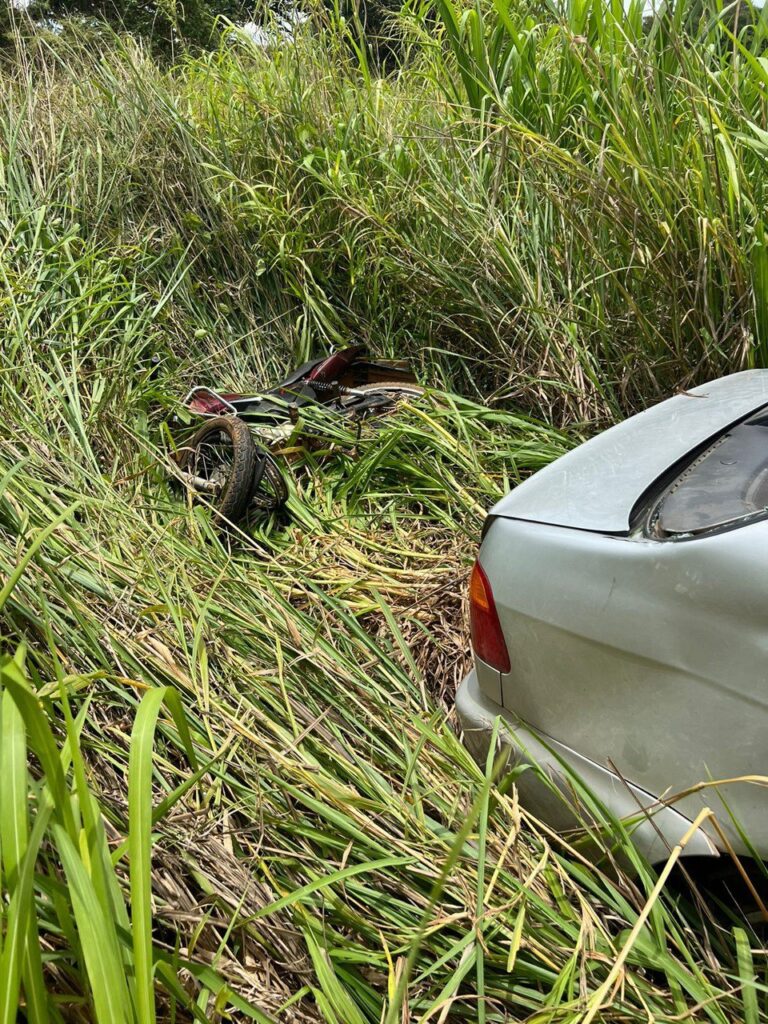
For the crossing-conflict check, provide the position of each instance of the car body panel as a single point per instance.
(489, 680)
(654, 655)
(645, 657)
(596, 486)
(654, 835)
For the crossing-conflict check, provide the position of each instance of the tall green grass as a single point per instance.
(230, 781)
(565, 212)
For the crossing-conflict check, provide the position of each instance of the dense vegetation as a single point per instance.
(229, 779)
(171, 28)
(165, 25)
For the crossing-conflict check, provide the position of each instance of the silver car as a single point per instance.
(619, 611)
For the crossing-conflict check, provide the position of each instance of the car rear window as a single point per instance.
(727, 483)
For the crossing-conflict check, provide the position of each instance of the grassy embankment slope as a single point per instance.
(237, 773)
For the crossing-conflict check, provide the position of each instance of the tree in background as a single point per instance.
(168, 24)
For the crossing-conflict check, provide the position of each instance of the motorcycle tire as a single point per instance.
(270, 491)
(218, 462)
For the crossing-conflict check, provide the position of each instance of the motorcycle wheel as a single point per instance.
(218, 463)
(270, 490)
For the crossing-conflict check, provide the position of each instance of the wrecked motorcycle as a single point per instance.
(227, 461)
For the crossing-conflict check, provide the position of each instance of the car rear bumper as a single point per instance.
(656, 831)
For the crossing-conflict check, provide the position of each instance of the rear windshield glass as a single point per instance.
(726, 483)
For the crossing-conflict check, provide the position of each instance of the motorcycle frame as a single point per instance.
(339, 374)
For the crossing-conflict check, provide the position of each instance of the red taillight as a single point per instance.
(487, 638)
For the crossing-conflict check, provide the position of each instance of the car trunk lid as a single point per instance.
(597, 485)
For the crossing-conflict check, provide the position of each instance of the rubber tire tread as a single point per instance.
(232, 503)
(274, 475)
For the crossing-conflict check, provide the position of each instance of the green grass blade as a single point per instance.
(140, 847)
